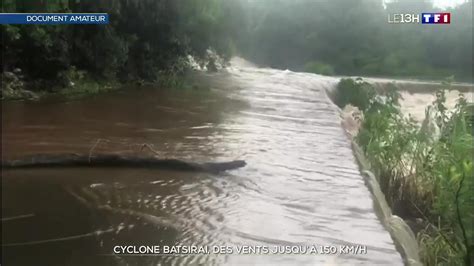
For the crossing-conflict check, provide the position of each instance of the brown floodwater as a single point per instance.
(301, 185)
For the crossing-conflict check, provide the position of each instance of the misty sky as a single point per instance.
(441, 3)
(447, 3)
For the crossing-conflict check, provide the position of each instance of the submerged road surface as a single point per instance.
(301, 186)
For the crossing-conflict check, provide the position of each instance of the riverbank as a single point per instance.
(16, 88)
(424, 170)
(430, 77)
(72, 84)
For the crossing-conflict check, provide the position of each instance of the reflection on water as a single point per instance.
(301, 185)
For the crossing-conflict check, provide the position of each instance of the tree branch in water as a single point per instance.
(115, 160)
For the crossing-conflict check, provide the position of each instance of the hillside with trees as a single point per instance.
(151, 40)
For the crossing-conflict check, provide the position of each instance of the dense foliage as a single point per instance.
(355, 38)
(426, 171)
(145, 39)
(151, 39)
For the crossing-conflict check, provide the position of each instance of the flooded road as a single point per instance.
(301, 185)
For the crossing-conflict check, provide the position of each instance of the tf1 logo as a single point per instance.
(436, 18)
(424, 18)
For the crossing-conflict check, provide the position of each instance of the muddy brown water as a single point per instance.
(301, 185)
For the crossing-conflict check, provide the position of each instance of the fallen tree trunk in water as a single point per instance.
(114, 160)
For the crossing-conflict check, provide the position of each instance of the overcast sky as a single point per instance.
(439, 3)
(447, 3)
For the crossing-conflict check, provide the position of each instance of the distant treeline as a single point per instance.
(355, 38)
(147, 39)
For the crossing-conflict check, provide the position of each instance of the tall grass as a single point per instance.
(425, 171)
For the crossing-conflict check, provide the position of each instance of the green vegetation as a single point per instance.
(146, 40)
(355, 38)
(319, 68)
(150, 40)
(356, 92)
(425, 172)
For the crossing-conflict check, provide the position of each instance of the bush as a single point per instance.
(356, 92)
(319, 68)
(143, 39)
(421, 176)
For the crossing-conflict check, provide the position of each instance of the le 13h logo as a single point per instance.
(424, 18)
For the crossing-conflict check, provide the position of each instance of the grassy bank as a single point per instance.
(70, 84)
(425, 171)
(73, 84)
